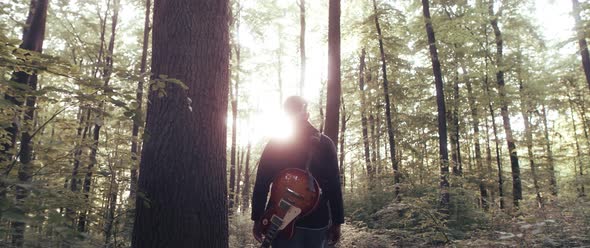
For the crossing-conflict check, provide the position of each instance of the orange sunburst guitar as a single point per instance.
(294, 194)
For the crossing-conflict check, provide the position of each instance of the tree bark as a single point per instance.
(33, 37)
(514, 165)
(334, 88)
(582, 40)
(182, 194)
(440, 100)
(301, 4)
(388, 107)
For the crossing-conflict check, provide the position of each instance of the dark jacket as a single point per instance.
(278, 155)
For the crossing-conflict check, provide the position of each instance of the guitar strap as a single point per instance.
(315, 141)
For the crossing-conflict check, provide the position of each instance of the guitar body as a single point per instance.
(294, 194)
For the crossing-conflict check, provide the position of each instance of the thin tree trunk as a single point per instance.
(370, 170)
(344, 119)
(321, 105)
(232, 165)
(234, 113)
(280, 66)
(440, 100)
(112, 205)
(138, 122)
(582, 40)
(514, 165)
(246, 191)
(301, 4)
(524, 108)
(551, 162)
(455, 128)
(373, 169)
(83, 218)
(183, 200)
(388, 107)
(33, 38)
(578, 160)
(483, 192)
(334, 88)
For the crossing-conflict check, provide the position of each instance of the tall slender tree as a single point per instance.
(302, 58)
(388, 107)
(138, 122)
(344, 117)
(499, 59)
(334, 89)
(440, 100)
(182, 193)
(525, 109)
(550, 159)
(99, 120)
(33, 37)
(246, 191)
(364, 121)
(580, 31)
(483, 192)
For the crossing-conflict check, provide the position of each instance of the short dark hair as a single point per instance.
(295, 105)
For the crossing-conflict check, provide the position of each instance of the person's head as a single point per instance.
(296, 108)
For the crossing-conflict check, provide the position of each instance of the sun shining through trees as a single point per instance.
(97, 132)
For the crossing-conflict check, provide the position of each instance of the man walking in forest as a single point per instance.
(321, 227)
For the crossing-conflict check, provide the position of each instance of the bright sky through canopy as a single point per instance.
(259, 80)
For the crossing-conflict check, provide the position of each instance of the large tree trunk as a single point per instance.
(582, 40)
(301, 4)
(138, 122)
(364, 125)
(334, 88)
(516, 183)
(550, 159)
(33, 37)
(107, 72)
(388, 107)
(440, 100)
(182, 194)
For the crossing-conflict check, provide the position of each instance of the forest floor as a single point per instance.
(567, 225)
